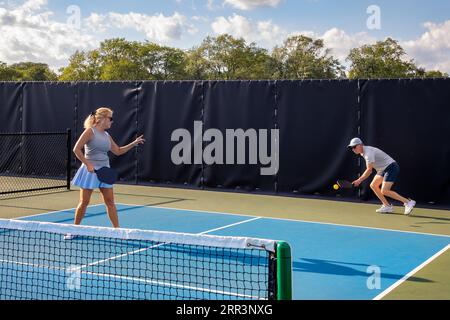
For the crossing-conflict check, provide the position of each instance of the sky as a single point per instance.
(50, 31)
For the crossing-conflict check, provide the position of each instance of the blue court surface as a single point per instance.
(329, 261)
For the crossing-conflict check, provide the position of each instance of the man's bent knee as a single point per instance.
(385, 190)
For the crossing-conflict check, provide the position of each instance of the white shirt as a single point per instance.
(379, 159)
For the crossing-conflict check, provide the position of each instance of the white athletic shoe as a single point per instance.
(386, 209)
(409, 207)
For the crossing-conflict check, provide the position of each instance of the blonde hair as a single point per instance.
(97, 115)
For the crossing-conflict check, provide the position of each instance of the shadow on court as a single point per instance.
(343, 269)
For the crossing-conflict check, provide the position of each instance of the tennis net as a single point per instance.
(36, 262)
(34, 161)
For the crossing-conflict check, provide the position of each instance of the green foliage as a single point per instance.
(223, 58)
(431, 74)
(384, 59)
(302, 57)
(8, 73)
(26, 71)
(118, 59)
(163, 63)
(227, 58)
(82, 66)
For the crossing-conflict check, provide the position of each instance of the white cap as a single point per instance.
(355, 142)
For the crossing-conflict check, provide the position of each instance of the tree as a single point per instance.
(258, 63)
(422, 73)
(82, 67)
(384, 59)
(196, 64)
(7, 73)
(227, 58)
(31, 71)
(301, 57)
(163, 63)
(119, 59)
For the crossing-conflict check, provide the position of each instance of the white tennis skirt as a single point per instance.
(88, 180)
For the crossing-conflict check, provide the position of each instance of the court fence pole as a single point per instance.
(69, 157)
(284, 271)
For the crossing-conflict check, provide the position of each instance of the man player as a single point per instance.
(387, 172)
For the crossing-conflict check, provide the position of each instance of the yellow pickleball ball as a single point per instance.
(335, 187)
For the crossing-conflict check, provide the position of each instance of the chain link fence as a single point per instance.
(34, 162)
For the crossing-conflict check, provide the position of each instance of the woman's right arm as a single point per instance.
(78, 149)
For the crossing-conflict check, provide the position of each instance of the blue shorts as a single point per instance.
(88, 180)
(390, 174)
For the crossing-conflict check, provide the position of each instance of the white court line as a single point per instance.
(244, 215)
(410, 274)
(117, 257)
(293, 220)
(38, 266)
(230, 225)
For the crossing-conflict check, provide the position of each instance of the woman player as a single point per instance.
(97, 143)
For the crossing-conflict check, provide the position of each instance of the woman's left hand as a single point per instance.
(139, 140)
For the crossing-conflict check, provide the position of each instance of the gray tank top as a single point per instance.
(96, 150)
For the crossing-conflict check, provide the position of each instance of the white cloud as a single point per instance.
(432, 49)
(341, 43)
(97, 22)
(29, 34)
(158, 28)
(251, 4)
(33, 5)
(264, 33)
(235, 25)
(200, 18)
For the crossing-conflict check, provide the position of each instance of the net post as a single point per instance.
(69, 156)
(284, 271)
